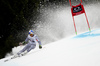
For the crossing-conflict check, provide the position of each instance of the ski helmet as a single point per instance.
(31, 32)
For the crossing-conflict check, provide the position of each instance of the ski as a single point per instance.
(23, 54)
(11, 58)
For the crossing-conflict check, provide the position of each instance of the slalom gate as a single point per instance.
(77, 10)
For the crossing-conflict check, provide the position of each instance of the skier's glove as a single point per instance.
(40, 47)
(21, 43)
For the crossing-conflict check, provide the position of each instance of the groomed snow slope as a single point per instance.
(80, 50)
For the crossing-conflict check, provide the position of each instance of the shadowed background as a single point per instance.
(50, 20)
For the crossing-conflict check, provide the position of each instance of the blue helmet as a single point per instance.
(31, 32)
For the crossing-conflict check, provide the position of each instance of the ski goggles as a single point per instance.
(31, 34)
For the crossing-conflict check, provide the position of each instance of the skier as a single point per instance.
(31, 39)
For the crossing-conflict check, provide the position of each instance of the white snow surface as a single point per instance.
(80, 50)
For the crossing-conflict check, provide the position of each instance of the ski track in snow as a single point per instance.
(80, 50)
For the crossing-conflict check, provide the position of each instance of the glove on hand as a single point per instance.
(20, 43)
(40, 47)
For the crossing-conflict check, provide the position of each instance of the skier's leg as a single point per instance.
(25, 48)
(31, 47)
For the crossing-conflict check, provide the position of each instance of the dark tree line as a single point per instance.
(15, 16)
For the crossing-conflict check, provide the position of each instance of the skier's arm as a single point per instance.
(37, 39)
(40, 46)
(24, 42)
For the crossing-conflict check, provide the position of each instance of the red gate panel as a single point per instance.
(77, 10)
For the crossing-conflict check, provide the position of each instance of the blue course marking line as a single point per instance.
(88, 34)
